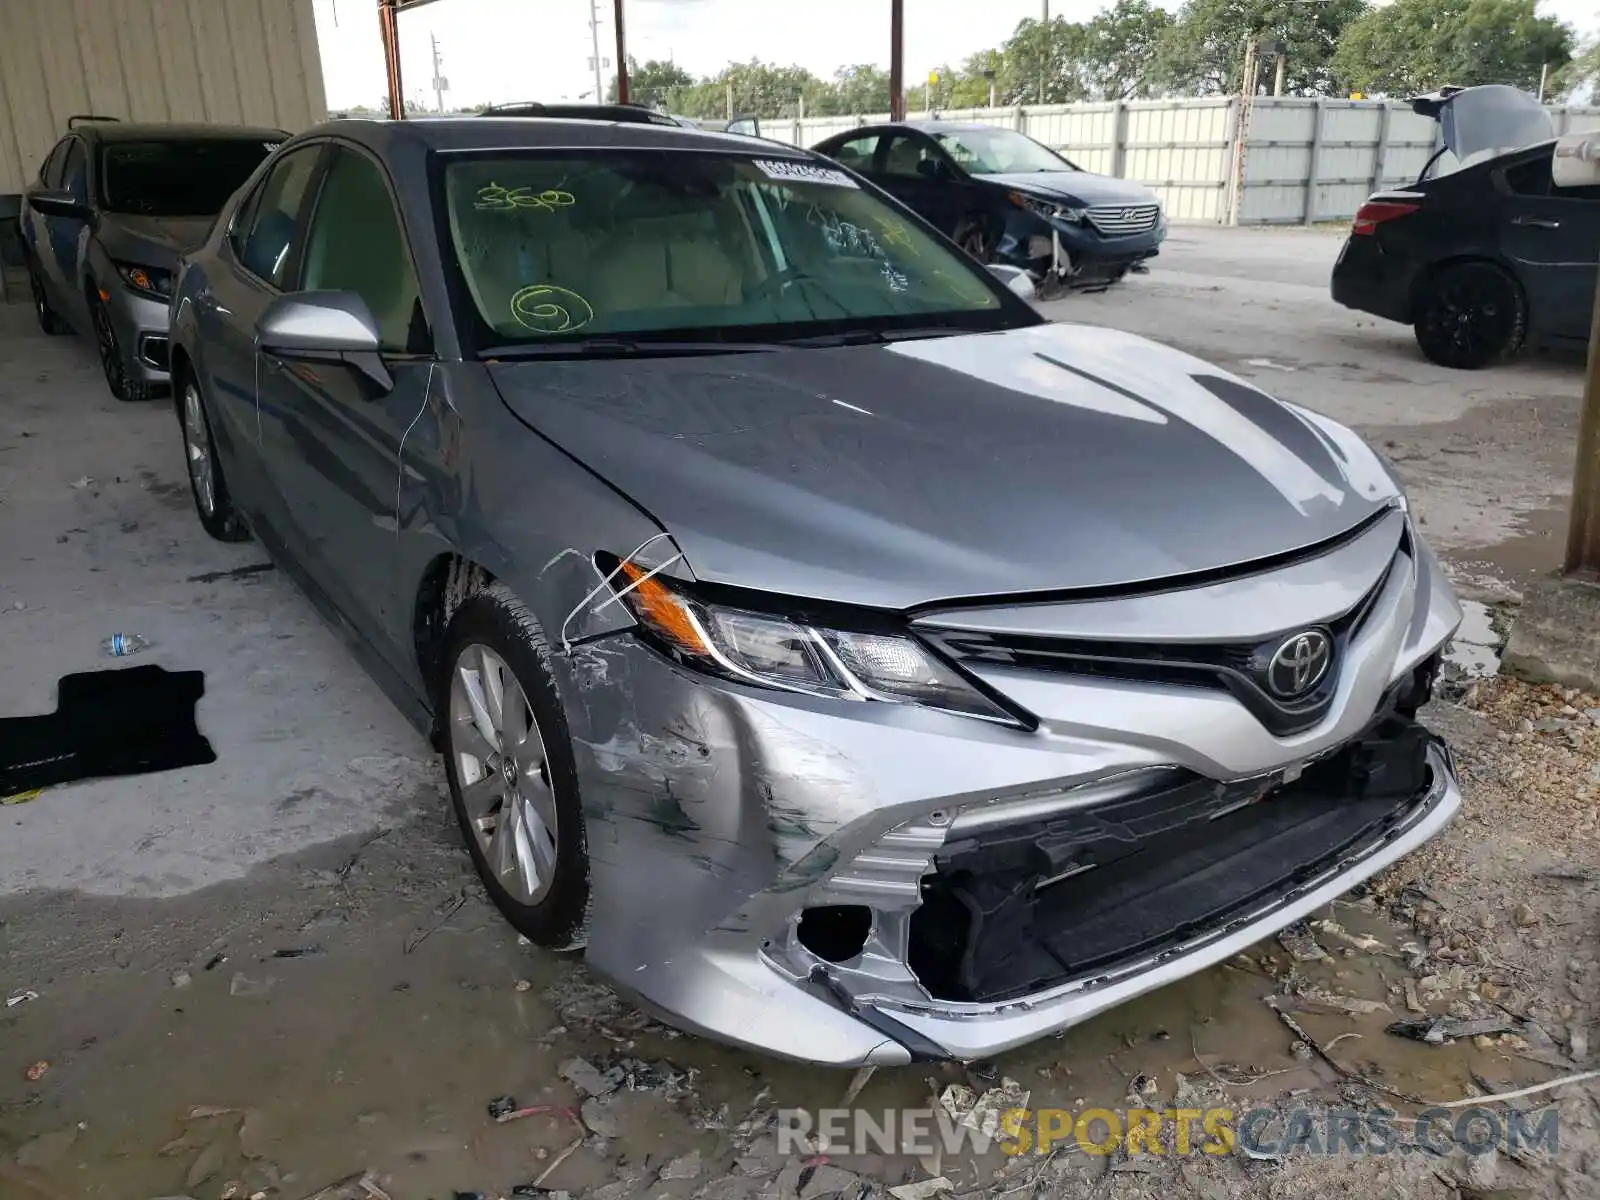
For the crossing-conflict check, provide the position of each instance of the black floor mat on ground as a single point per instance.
(127, 722)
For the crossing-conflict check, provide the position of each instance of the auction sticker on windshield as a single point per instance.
(803, 172)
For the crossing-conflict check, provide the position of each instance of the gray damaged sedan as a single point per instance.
(861, 667)
(103, 226)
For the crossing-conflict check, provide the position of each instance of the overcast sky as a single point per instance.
(539, 49)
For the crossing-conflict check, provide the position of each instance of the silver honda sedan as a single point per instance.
(861, 667)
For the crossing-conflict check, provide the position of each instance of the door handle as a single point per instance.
(1537, 222)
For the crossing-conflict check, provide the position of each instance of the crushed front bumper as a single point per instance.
(759, 859)
(1061, 257)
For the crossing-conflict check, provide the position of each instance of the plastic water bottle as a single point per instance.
(120, 645)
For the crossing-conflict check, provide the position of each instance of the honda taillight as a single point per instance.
(1375, 212)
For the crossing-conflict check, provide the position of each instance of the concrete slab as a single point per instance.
(98, 534)
(1555, 637)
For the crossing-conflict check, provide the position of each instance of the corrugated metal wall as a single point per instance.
(249, 61)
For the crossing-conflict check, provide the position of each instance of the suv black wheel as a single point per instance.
(1470, 315)
(974, 238)
(118, 378)
(49, 321)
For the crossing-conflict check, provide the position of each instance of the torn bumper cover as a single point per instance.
(873, 883)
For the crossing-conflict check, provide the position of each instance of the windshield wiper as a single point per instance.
(873, 337)
(596, 348)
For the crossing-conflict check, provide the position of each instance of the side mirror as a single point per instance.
(59, 204)
(1577, 160)
(1017, 281)
(934, 169)
(324, 327)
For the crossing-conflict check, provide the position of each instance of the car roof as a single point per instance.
(149, 131)
(533, 133)
(924, 126)
(600, 112)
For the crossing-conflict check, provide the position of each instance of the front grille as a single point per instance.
(1237, 668)
(1115, 220)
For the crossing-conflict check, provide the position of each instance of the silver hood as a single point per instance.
(1049, 458)
(151, 241)
(1076, 187)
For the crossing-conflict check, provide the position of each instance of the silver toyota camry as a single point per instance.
(859, 666)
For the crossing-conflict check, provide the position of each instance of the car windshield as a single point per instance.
(190, 177)
(1000, 152)
(710, 246)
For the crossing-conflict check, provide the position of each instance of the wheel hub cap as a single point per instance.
(500, 765)
(197, 443)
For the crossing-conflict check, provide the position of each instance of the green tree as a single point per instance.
(755, 87)
(856, 90)
(1042, 63)
(1202, 53)
(1415, 46)
(968, 87)
(653, 82)
(1581, 74)
(1119, 50)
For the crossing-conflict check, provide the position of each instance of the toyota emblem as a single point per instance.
(1300, 662)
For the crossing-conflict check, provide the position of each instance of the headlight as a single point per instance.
(773, 651)
(155, 282)
(1047, 209)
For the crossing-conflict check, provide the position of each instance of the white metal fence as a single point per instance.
(1303, 160)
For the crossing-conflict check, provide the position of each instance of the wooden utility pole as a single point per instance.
(622, 56)
(897, 60)
(1583, 525)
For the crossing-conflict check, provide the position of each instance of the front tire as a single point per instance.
(513, 779)
(112, 362)
(212, 502)
(974, 238)
(1470, 315)
(50, 321)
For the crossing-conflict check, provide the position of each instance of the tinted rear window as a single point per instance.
(177, 178)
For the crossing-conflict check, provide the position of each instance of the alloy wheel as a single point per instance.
(503, 772)
(197, 447)
(1470, 317)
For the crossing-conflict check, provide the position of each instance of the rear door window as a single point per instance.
(857, 153)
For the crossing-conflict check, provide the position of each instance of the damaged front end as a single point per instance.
(844, 880)
(1017, 908)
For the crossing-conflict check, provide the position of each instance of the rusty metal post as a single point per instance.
(897, 60)
(622, 56)
(1583, 525)
(387, 11)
